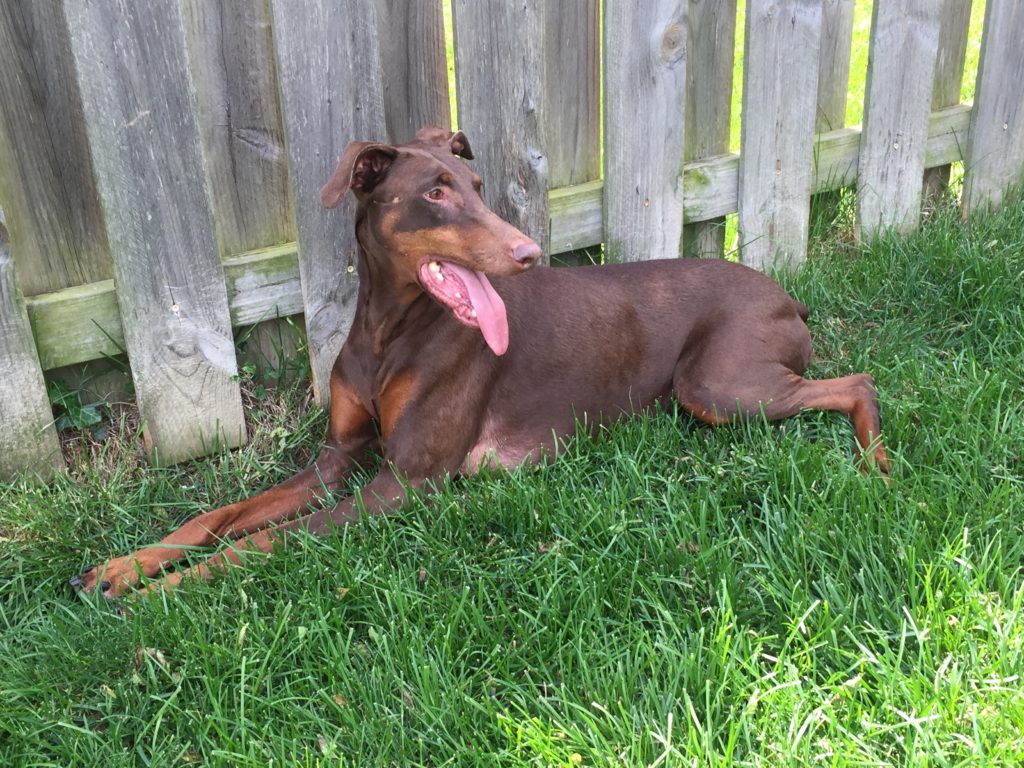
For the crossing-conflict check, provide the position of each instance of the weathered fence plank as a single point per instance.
(30, 440)
(949, 76)
(995, 151)
(231, 51)
(898, 95)
(833, 87)
(46, 179)
(834, 64)
(710, 43)
(780, 83)
(77, 324)
(644, 112)
(138, 107)
(232, 58)
(499, 73)
(572, 91)
(330, 79)
(411, 40)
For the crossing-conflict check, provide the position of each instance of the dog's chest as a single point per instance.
(498, 447)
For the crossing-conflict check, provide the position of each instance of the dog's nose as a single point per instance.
(526, 253)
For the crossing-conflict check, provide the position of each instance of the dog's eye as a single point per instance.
(435, 194)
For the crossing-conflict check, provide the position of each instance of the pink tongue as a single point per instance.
(490, 309)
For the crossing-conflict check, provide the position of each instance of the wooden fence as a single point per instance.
(159, 162)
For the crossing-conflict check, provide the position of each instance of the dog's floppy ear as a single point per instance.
(362, 166)
(460, 145)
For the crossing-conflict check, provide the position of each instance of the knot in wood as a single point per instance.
(517, 194)
(537, 162)
(673, 42)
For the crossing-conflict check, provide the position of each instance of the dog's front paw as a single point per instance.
(111, 578)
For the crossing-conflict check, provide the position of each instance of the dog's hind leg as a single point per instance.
(715, 395)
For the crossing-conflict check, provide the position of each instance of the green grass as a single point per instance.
(670, 594)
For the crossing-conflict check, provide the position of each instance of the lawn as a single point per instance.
(670, 594)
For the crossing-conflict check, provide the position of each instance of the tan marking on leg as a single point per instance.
(349, 416)
(394, 400)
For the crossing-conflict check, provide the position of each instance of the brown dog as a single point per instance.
(461, 355)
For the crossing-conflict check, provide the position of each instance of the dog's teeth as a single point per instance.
(458, 295)
(434, 267)
(439, 277)
(472, 313)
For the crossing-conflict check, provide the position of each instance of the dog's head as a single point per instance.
(423, 210)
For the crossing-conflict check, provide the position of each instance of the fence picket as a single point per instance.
(710, 42)
(834, 64)
(411, 40)
(995, 150)
(572, 108)
(644, 113)
(231, 50)
(897, 101)
(138, 105)
(498, 69)
(780, 80)
(330, 80)
(46, 176)
(571, 91)
(29, 438)
(949, 76)
(833, 87)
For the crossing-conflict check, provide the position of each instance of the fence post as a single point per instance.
(995, 147)
(411, 40)
(329, 74)
(30, 440)
(780, 82)
(949, 77)
(139, 113)
(710, 42)
(499, 69)
(644, 115)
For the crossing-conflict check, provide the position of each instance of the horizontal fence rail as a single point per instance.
(159, 167)
(75, 325)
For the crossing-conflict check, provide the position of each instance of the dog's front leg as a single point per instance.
(386, 493)
(352, 437)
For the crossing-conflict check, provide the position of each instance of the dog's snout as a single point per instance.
(526, 253)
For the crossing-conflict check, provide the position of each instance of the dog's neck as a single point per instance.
(385, 299)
